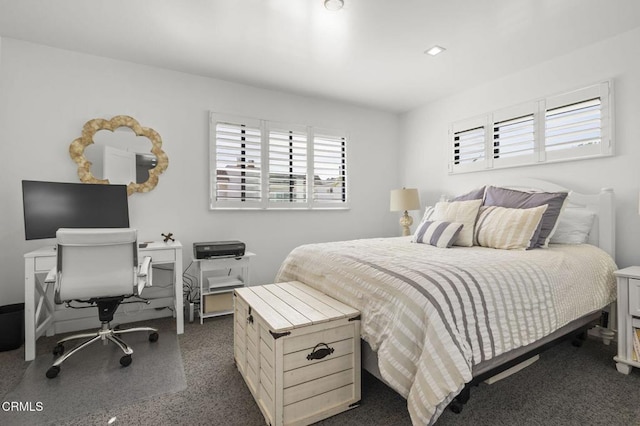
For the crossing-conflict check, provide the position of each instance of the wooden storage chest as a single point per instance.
(298, 350)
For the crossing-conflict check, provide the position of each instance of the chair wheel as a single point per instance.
(59, 349)
(125, 361)
(153, 337)
(53, 371)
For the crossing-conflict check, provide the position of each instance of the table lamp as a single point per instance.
(403, 200)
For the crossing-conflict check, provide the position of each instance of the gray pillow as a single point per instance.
(476, 194)
(437, 233)
(503, 197)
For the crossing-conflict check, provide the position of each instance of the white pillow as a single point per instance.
(573, 227)
(507, 228)
(464, 212)
(428, 212)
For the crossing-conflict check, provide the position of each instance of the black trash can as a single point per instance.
(11, 326)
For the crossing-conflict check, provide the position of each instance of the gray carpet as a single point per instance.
(93, 379)
(567, 386)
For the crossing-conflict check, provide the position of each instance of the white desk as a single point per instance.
(42, 316)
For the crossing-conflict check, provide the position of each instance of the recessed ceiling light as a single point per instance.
(333, 4)
(435, 50)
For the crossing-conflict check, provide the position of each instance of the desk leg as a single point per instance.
(179, 285)
(29, 310)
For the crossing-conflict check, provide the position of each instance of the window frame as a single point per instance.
(538, 109)
(268, 160)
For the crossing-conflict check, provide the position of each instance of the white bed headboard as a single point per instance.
(603, 231)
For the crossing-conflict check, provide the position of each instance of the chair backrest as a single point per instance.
(95, 263)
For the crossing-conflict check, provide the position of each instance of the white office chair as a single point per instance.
(100, 267)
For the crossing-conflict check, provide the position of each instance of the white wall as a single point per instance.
(425, 138)
(47, 94)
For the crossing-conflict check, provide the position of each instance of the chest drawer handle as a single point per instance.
(250, 319)
(319, 353)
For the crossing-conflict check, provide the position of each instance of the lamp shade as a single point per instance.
(404, 199)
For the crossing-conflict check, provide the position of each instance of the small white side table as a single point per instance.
(218, 277)
(628, 317)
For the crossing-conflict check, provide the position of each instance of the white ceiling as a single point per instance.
(369, 53)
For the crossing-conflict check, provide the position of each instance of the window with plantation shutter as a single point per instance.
(570, 126)
(514, 137)
(469, 146)
(578, 124)
(258, 164)
(287, 180)
(329, 169)
(237, 162)
(574, 125)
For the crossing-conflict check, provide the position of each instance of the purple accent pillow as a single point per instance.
(476, 194)
(503, 197)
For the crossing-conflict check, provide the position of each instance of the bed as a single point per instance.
(437, 320)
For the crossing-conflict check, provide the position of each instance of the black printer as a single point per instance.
(217, 249)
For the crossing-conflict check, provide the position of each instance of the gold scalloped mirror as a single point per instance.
(122, 157)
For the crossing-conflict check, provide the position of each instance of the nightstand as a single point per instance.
(628, 318)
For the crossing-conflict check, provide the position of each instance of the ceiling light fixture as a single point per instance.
(333, 4)
(435, 50)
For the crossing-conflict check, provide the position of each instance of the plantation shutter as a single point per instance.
(513, 137)
(287, 181)
(237, 159)
(329, 169)
(260, 164)
(577, 124)
(573, 125)
(570, 126)
(468, 145)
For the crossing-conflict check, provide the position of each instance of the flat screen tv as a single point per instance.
(49, 206)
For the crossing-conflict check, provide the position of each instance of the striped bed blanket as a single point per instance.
(431, 314)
